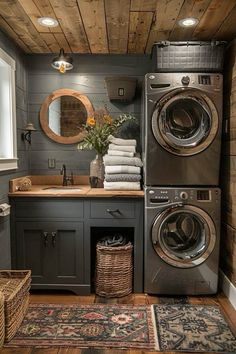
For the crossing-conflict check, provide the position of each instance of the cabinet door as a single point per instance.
(67, 249)
(52, 250)
(33, 250)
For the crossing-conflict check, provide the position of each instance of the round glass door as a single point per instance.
(183, 236)
(185, 122)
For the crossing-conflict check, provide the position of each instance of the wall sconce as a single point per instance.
(62, 62)
(27, 136)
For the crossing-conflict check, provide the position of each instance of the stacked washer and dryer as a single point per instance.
(181, 153)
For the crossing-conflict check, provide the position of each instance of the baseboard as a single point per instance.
(228, 288)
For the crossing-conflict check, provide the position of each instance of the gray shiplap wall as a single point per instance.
(88, 77)
(21, 115)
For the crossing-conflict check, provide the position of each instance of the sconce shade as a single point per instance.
(27, 136)
(29, 127)
(62, 62)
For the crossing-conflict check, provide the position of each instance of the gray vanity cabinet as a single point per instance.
(48, 238)
(56, 238)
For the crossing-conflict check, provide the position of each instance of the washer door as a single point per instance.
(185, 122)
(183, 236)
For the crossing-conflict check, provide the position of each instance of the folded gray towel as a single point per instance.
(127, 186)
(120, 153)
(119, 141)
(122, 160)
(122, 177)
(122, 148)
(122, 169)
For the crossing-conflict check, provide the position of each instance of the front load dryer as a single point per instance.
(182, 134)
(182, 235)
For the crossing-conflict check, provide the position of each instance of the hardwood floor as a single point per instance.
(134, 299)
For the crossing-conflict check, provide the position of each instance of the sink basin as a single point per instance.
(63, 188)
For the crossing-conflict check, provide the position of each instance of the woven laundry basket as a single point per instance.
(15, 285)
(2, 321)
(114, 270)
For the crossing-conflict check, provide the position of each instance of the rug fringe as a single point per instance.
(157, 346)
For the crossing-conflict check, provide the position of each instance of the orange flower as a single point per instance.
(107, 119)
(90, 121)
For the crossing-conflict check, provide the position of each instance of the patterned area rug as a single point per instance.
(195, 328)
(108, 326)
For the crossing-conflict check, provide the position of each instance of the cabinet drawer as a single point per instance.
(112, 210)
(49, 209)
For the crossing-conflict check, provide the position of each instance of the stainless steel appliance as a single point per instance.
(182, 234)
(183, 116)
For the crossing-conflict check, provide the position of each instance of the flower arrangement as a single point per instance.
(98, 128)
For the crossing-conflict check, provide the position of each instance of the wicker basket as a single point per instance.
(2, 321)
(114, 270)
(15, 285)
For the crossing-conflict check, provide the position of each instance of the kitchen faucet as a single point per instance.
(66, 178)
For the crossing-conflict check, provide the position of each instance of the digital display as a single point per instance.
(159, 201)
(203, 195)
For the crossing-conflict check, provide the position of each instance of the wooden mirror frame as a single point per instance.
(43, 115)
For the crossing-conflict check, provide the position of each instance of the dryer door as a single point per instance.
(183, 236)
(185, 121)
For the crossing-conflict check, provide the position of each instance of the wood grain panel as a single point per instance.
(33, 12)
(101, 26)
(167, 12)
(140, 24)
(141, 5)
(95, 25)
(227, 28)
(211, 21)
(51, 42)
(62, 42)
(17, 19)
(117, 19)
(68, 14)
(195, 9)
(11, 33)
(228, 176)
(47, 10)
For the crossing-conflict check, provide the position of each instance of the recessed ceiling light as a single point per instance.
(47, 21)
(188, 22)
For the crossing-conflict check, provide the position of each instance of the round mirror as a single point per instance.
(63, 114)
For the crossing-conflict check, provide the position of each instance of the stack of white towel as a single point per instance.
(122, 166)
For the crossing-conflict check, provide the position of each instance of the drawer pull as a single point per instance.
(54, 234)
(113, 211)
(45, 238)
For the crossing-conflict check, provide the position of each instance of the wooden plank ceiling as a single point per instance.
(113, 26)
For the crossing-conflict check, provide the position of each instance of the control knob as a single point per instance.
(185, 80)
(183, 195)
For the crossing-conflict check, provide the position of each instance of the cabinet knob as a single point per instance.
(45, 238)
(113, 211)
(54, 235)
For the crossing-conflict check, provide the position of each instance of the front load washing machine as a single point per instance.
(182, 133)
(182, 235)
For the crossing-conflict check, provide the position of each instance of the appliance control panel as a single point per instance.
(161, 196)
(160, 81)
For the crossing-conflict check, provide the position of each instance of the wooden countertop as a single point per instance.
(86, 191)
(51, 186)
